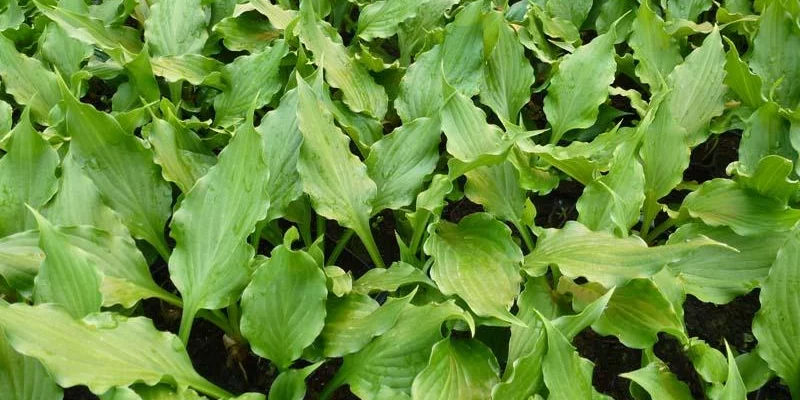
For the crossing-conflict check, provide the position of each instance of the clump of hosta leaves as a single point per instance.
(432, 199)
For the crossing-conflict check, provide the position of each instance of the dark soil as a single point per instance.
(715, 324)
(558, 207)
(710, 159)
(669, 350)
(610, 358)
(455, 211)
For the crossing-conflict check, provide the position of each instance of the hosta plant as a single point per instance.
(394, 199)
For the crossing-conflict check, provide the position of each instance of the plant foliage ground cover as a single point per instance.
(434, 199)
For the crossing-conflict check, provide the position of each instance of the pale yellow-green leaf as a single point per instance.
(602, 257)
(776, 324)
(101, 351)
(27, 176)
(477, 260)
(283, 307)
(126, 277)
(28, 81)
(210, 263)
(361, 93)
(67, 276)
(176, 27)
(121, 168)
(457, 369)
(23, 377)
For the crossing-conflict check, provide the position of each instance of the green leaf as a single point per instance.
(126, 276)
(254, 79)
(120, 393)
(525, 377)
(339, 282)
(361, 93)
(78, 202)
(282, 139)
(290, 384)
(458, 368)
(572, 325)
(67, 276)
(574, 11)
(558, 28)
(28, 81)
(655, 50)
(418, 33)
(121, 168)
(353, 320)
(12, 16)
(165, 392)
(478, 261)
(390, 279)
(775, 325)
(101, 351)
(613, 202)
(335, 179)
(718, 275)
(27, 176)
(602, 257)
(462, 50)
(659, 382)
(580, 86)
(772, 179)
(566, 374)
(538, 296)
(528, 345)
(141, 80)
(580, 160)
(508, 76)
(381, 19)
(179, 152)
(5, 123)
(400, 161)
(741, 79)
(248, 31)
(497, 189)
(469, 136)
(64, 53)
(722, 202)
(697, 88)
(537, 178)
(734, 388)
(533, 37)
(394, 359)
(210, 262)
(636, 313)
(277, 15)
(24, 378)
(193, 68)
(119, 42)
(283, 307)
(413, 103)
(776, 55)
(662, 173)
(611, 11)
(754, 370)
(708, 362)
(686, 9)
(176, 27)
(362, 129)
(766, 132)
(250, 396)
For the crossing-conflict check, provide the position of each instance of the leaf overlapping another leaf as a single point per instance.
(624, 161)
